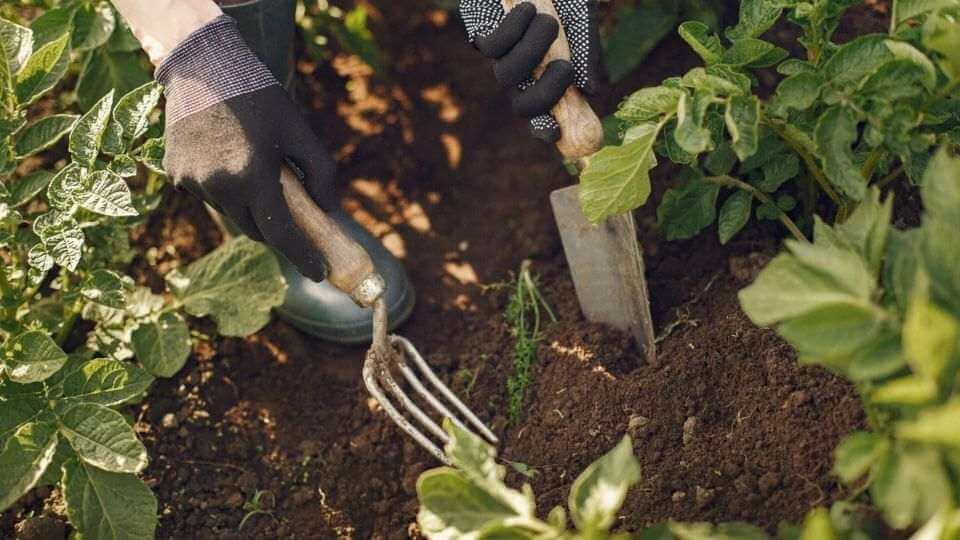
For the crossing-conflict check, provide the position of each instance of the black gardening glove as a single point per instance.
(230, 127)
(518, 42)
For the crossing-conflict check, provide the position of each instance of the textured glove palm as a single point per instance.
(517, 42)
(230, 128)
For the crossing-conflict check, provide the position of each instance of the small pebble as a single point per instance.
(170, 421)
(689, 429)
(678, 496)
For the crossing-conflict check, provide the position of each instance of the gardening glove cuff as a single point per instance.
(212, 65)
(230, 129)
(517, 42)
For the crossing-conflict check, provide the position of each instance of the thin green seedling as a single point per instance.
(523, 317)
(254, 507)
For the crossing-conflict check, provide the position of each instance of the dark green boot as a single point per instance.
(319, 309)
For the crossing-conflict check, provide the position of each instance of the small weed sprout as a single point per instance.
(254, 507)
(523, 316)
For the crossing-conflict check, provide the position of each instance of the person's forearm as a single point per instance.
(160, 25)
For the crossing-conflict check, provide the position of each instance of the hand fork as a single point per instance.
(352, 271)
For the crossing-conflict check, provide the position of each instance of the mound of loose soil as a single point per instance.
(726, 425)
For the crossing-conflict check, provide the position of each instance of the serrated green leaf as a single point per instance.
(106, 193)
(24, 459)
(23, 190)
(32, 357)
(742, 117)
(756, 17)
(107, 505)
(102, 438)
(103, 381)
(617, 178)
(17, 44)
(106, 70)
(92, 26)
(132, 112)
(43, 134)
(598, 493)
(86, 137)
(687, 210)
(647, 104)
(734, 214)
(702, 40)
(835, 134)
(237, 285)
(43, 70)
(754, 53)
(162, 346)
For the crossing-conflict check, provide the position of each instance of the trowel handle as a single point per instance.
(350, 268)
(580, 131)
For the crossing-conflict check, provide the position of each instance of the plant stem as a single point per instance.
(870, 165)
(893, 175)
(729, 181)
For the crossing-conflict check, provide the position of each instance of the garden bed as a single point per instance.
(727, 426)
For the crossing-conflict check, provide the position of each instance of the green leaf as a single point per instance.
(151, 154)
(598, 493)
(107, 505)
(718, 80)
(936, 425)
(756, 17)
(687, 210)
(638, 31)
(754, 53)
(52, 24)
(93, 24)
(105, 287)
(43, 70)
(24, 459)
(63, 189)
(132, 112)
(894, 80)
(237, 285)
(102, 438)
(835, 133)
(453, 507)
(17, 44)
(941, 35)
(106, 70)
(793, 66)
(648, 104)
(734, 214)
(904, 10)
(18, 410)
(123, 166)
(106, 193)
(855, 60)
(743, 123)
(798, 92)
(906, 51)
(867, 229)
(818, 526)
(617, 178)
(23, 190)
(105, 382)
(929, 338)
(857, 453)
(702, 40)
(910, 390)
(941, 189)
(32, 357)
(832, 330)
(43, 134)
(910, 486)
(691, 134)
(721, 161)
(777, 171)
(85, 139)
(162, 346)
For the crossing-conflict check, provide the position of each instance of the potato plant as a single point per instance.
(842, 118)
(881, 307)
(78, 338)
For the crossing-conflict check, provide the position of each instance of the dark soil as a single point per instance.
(727, 425)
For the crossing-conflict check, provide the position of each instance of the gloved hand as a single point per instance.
(518, 42)
(230, 127)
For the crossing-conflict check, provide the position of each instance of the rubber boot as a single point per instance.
(319, 309)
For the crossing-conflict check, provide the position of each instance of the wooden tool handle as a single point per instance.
(580, 131)
(349, 266)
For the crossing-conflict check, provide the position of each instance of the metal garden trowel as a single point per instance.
(605, 260)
